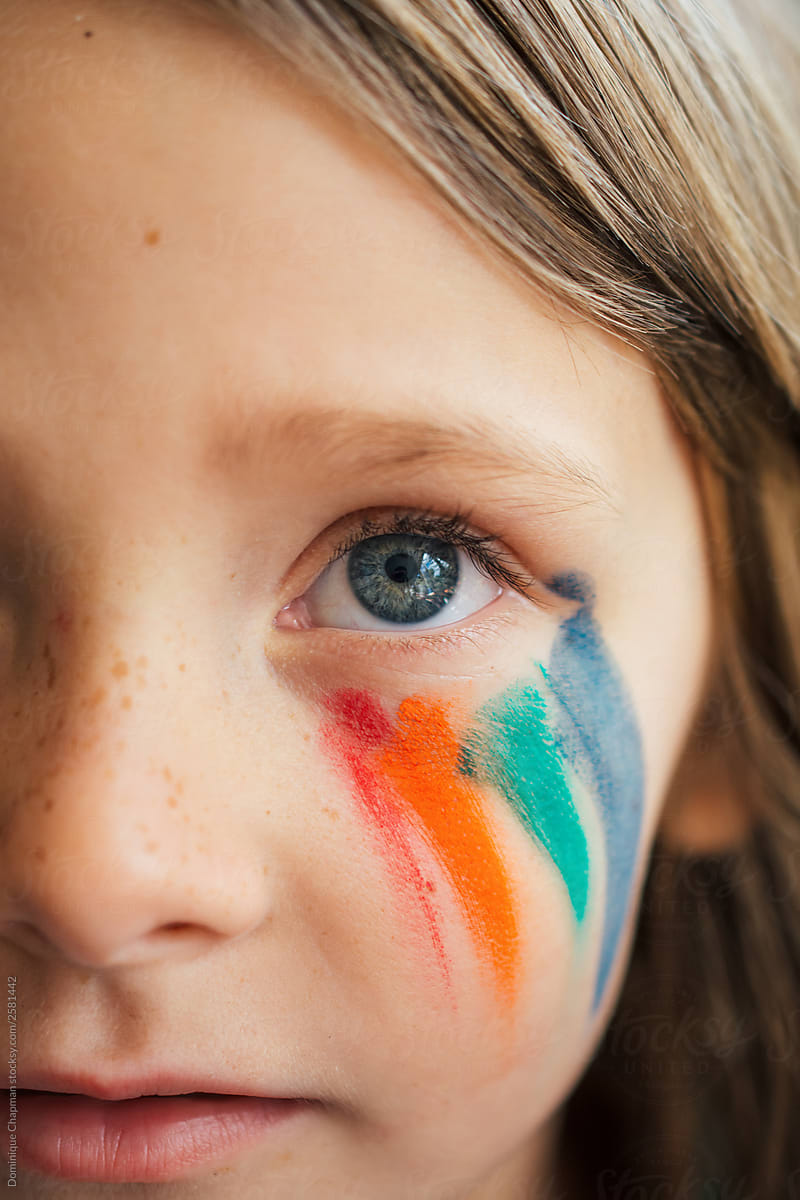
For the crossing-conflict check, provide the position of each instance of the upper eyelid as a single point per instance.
(439, 526)
(414, 518)
(479, 547)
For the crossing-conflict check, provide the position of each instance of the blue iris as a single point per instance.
(403, 578)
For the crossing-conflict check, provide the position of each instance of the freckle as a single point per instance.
(48, 805)
(151, 846)
(63, 621)
(141, 661)
(41, 741)
(119, 670)
(142, 827)
(179, 788)
(40, 854)
(126, 702)
(140, 681)
(152, 237)
(267, 812)
(96, 697)
(172, 802)
(167, 773)
(182, 667)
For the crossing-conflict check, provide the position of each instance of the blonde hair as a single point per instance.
(638, 160)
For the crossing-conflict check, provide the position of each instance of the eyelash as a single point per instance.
(483, 549)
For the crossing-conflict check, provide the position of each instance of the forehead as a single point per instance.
(184, 226)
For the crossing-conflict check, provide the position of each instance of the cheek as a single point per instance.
(423, 776)
(407, 774)
(567, 731)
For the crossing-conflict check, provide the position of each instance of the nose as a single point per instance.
(122, 838)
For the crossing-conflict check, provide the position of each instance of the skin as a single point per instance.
(188, 237)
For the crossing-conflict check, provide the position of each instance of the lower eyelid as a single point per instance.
(476, 635)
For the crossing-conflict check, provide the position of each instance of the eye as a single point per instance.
(399, 580)
(423, 572)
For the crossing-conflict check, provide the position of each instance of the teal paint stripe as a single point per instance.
(509, 746)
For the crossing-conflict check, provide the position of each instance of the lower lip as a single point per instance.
(145, 1140)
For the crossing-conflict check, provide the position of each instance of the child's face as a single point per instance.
(371, 836)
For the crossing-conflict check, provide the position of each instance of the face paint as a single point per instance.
(510, 747)
(361, 725)
(593, 730)
(415, 764)
(422, 762)
(422, 767)
(596, 727)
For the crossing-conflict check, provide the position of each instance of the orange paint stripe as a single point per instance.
(421, 760)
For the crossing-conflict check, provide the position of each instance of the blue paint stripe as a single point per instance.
(596, 727)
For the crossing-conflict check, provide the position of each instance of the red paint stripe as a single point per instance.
(389, 822)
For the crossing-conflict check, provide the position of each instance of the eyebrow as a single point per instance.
(373, 443)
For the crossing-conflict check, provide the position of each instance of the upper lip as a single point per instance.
(129, 1087)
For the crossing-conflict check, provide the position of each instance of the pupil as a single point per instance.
(401, 568)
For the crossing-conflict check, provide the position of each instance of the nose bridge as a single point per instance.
(113, 835)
